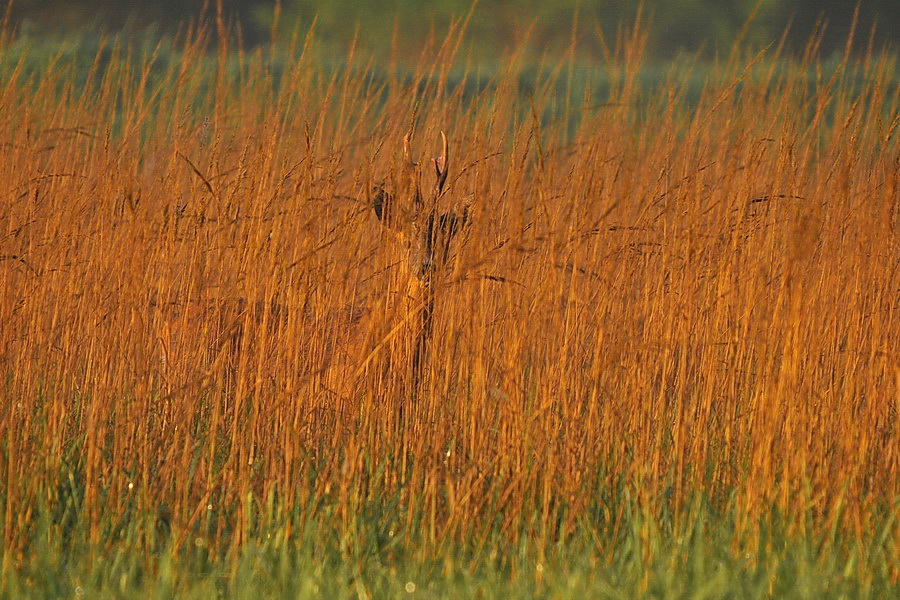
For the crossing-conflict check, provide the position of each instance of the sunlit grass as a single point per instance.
(661, 303)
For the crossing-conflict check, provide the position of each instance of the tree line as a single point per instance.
(705, 26)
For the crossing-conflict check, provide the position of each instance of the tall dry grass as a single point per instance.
(671, 296)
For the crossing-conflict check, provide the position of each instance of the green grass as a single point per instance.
(372, 555)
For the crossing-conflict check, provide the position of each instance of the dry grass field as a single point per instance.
(203, 320)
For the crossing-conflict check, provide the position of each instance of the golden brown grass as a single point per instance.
(675, 297)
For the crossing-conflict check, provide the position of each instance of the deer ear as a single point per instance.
(389, 214)
(449, 224)
(383, 203)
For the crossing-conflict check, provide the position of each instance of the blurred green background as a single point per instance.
(707, 27)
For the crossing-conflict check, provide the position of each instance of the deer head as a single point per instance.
(413, 216)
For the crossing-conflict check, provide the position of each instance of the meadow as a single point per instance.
(661, 351)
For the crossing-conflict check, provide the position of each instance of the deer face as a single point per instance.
(411, 213)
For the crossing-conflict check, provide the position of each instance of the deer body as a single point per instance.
(425, 235)
(419, 241)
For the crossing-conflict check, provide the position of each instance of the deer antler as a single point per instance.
(441, 164)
